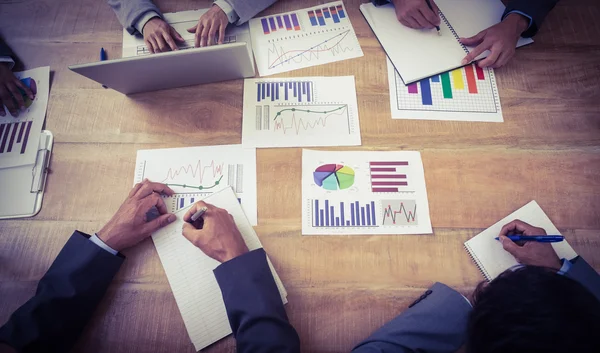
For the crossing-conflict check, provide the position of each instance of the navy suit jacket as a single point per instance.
(78, 278)
(537, 9)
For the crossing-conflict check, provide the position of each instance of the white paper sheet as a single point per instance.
(133, 45)
(197, 172)
(303, 38)
(303, 111)
(474, 96)
(191, 277)
(19, 137)
(490, 256)
(364, 192)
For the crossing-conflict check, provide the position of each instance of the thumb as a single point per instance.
(159, 222)
(191, 233)
(510, 246)
(475, 40)
(176, 35)
(192, 29)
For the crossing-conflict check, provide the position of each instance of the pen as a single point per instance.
(198, 214)
(103, 58)
(431, 8)
(196, 220)
(537, 238)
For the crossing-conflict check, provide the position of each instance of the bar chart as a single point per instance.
(331, 14)
(389, 176)
(285, 22)
(14, 136)
(179, 201)
(298, 91)
(328, 213)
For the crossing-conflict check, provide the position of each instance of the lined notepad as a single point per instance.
(490, 256)
(190, 273)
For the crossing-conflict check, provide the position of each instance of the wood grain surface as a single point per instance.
(341, 288)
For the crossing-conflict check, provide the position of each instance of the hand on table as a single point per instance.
(130, 225)
(219, 237)
(530, 253)
(416, 14)
(10, 95)
(213, 21)
(500, 39)
(159, 36)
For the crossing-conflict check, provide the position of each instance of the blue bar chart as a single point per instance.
(328, 213)
(299, 91)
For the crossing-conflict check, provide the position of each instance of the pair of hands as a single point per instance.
(499, 39)
(160, 37)
(10, 94)
(219, 238)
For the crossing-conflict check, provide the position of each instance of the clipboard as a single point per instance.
(22, 188)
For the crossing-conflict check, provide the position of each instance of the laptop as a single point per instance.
(172, 69)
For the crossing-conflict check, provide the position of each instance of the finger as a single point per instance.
(135, 189)
(8, 101)
(475, 53)
(518, 226)
(17, 95)
(192, 29)
(150, 187)
(212, 33)
(222, 29)
(158, 202)
(491, 59)
(204, 36)
(502, 60)
(170, 41)
(149, 46)
(176, 35)
(191, 233)
(162, 45)
(158, 223)
(410, 22)
(199, 30)
(436, 11)
(510, 246)
(421, 20)
(430, 16)
(25, 89)
(473, 41)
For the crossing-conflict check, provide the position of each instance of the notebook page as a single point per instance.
(492, 256)
(190, 273)
(415, 53)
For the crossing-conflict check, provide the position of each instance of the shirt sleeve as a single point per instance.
(9, 60)
(566, 266)
(139, 24)
(522, 14)
(232, 16)
(94, 239)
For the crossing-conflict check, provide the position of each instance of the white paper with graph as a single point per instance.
(191, 277)
(364, 192)
(303, 111)
(196, 172)
(303, 38)
(469, 93)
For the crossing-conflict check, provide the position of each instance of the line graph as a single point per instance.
(399, 212)
(313, 119)
(196, 173)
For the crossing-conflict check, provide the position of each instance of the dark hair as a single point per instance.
(533, 310)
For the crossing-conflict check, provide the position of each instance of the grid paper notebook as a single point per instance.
(490, 256)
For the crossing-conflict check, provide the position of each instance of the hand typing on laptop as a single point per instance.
(210, 23)
(160, 37)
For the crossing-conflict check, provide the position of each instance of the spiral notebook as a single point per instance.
(418, 54)
(488, 253)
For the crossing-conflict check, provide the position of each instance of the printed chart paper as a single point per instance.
(133, 45)
(364, 192)
(197, 172)
(469, 93)
(20, 137)
(303, 111)
(313, 36)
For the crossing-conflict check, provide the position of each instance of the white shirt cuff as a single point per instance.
(139, 25)
(94, 239)
(566, 266)
(471, 305)
(232, 16)
(9, 60)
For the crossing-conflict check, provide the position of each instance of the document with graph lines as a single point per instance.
(301, 111)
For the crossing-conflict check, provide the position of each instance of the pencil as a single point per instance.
(431, 8)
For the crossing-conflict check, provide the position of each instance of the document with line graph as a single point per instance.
(301, 111)
(197, 172)
(294, 40)
(364, 193)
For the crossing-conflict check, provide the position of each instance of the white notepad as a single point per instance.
(490, 256)
(190, 273)
(418, 54)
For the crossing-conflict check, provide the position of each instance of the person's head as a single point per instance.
(533, 310)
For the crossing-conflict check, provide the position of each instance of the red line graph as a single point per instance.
(301, 124)
(409, 216)
(196, 171)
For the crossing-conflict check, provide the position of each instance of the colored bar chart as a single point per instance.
(299, 91)
(388, 176)
(328, 213)
(288, 22)
(14, 135)
(320, 17)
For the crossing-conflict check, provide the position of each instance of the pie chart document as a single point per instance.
(364, 192)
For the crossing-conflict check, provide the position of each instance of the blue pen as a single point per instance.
(537, 238)
(103, 58)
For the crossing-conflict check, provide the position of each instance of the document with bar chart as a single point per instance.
(364, 192)
(19, 137)
(303, 111)
(197, 172)
(468, 93)
(308, 37)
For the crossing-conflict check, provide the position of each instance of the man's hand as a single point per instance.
(531, 253)
(500, 39)
(416, 14)
(10, 96)
(159, 36)
(219, 238)
(130, 224)
(213, 21)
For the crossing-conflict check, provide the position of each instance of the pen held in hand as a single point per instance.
(431, 8)
(536, 238)
(196, 220)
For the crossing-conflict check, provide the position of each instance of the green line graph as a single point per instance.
(199, 187)
(308, 111)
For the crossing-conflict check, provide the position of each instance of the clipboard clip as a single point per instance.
(40, 170)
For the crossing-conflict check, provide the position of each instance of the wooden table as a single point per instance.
(341, 288)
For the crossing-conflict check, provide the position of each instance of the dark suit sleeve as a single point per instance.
(65, 299)
(254, 307)
(536, 9)
(436, 323)
(585, 274)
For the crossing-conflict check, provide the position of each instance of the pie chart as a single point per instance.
(334, 176)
